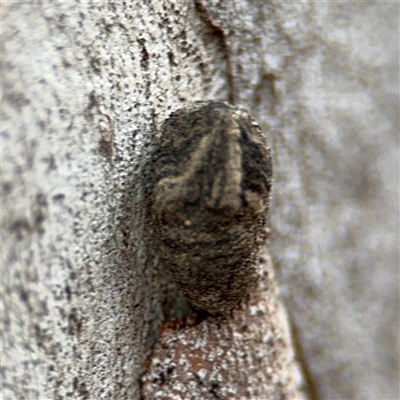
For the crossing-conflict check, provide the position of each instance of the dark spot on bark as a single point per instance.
(93, 105)
(24, 296)
(6, 187)
(198, 379)
(74, 322)
(58, 197)
(214, 388)
(66, 64)
(94, 100)
(82, 390)
(21, 228)
(171, 59)
(107, 26)
(16, 99)
(95, 64)
(170, 369)
(68, 292)
(144, 63)
(51, 163)
(39, 219)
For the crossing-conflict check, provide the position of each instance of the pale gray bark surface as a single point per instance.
(85, 87)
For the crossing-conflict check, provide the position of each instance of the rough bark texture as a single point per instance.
(85, 88)
(245, 354)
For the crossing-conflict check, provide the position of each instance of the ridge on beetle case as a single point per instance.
(208, 198)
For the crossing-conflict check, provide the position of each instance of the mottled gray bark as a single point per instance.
(85, 88)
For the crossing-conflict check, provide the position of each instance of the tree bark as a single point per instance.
(86, 87)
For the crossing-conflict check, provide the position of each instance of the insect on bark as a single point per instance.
(208, 199)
